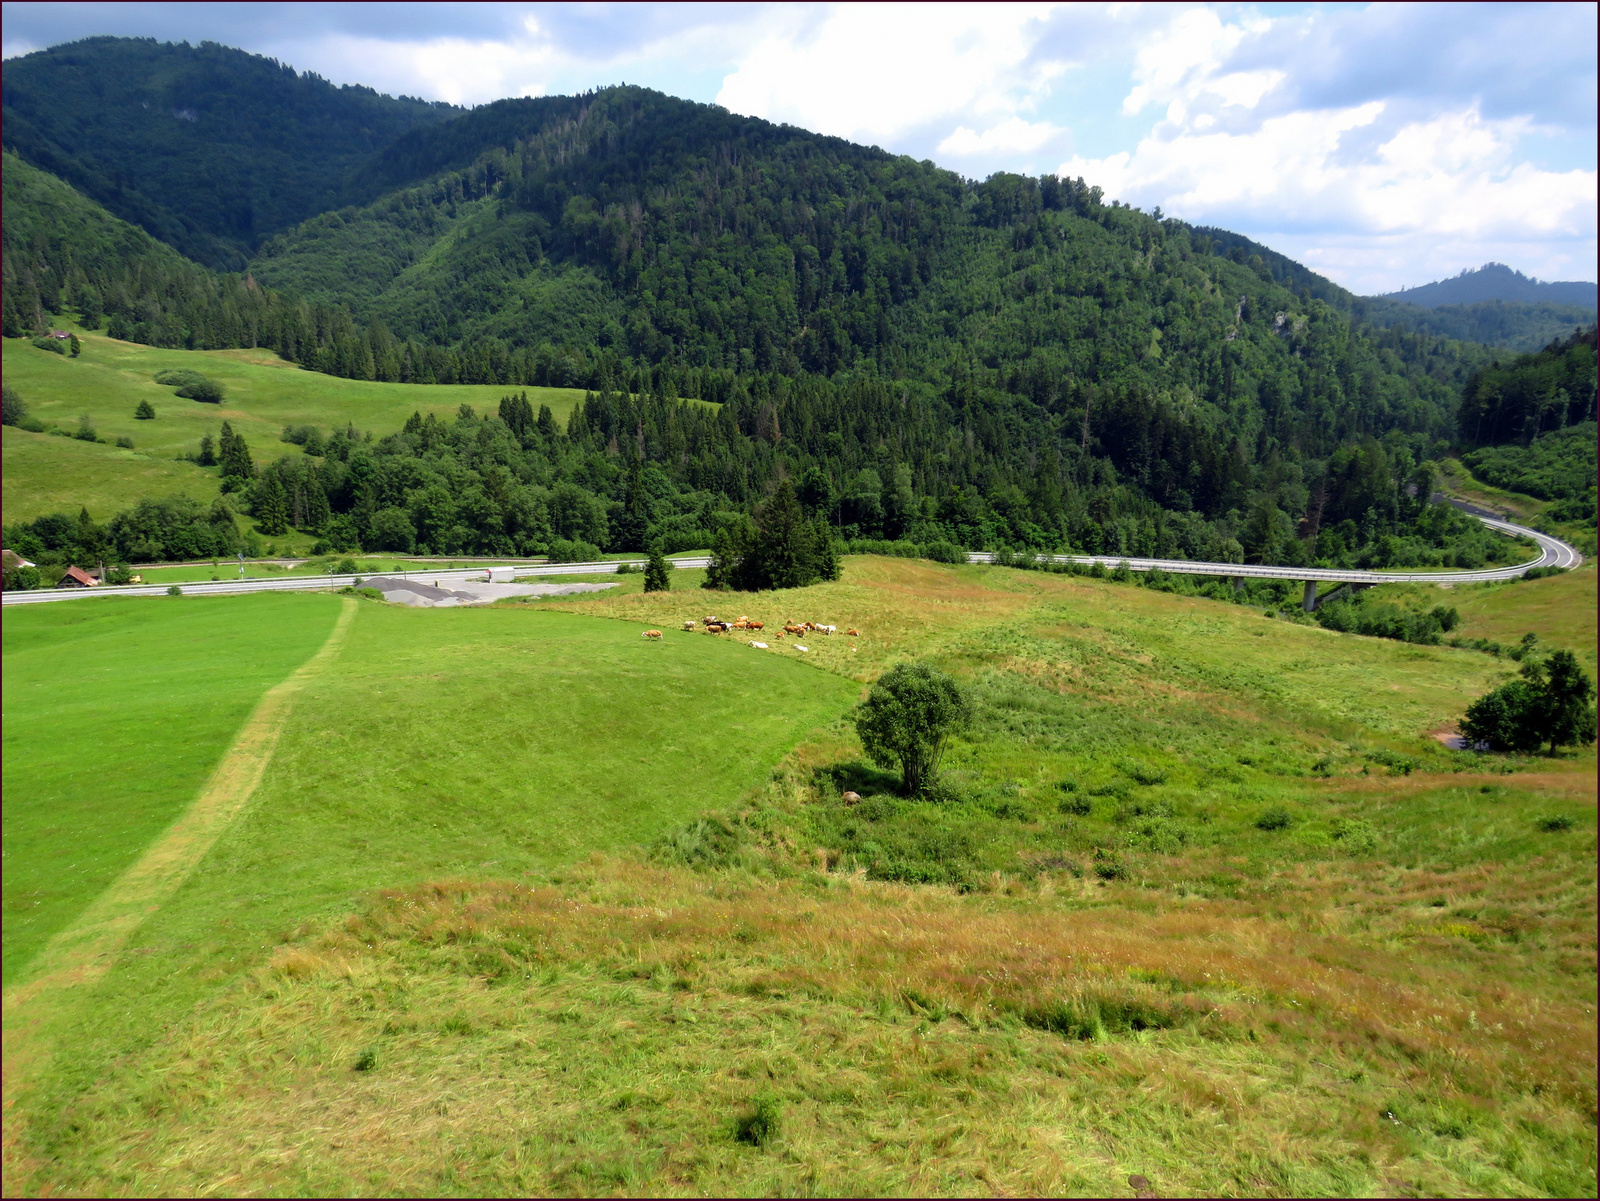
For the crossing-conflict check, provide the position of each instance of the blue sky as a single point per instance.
(1383, 145)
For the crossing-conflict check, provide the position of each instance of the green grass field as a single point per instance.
(435, 956)
(45, 474)
(115, 711)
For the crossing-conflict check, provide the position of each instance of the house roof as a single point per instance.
(76, 575)
(12, 560)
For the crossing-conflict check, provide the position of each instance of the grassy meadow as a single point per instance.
(1204, 902)
(263, 393)
(115, 711)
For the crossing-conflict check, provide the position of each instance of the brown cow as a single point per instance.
(754, 625)
(651, 634)
(851, 634)
(791, 628)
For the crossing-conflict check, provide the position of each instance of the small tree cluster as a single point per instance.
(780, 549)
(1551, 703)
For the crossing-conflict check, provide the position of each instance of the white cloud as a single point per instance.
(1352, 185)
(1012, 136)
(873, 72)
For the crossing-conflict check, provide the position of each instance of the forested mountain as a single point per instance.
(1011, 362)
(1496, 281)
(1531, 394)
(205, 147)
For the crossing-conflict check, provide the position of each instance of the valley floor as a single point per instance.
(524, 903)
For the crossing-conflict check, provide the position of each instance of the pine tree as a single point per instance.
(824, 554)
(270, 505)
(656, 572)
(208, 451)
(235, 455)
(317, 509)
(632, 528)
(784, 550)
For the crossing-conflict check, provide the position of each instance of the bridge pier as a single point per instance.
(1310, 602)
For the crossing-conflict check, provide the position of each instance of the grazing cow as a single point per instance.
(809, 625)
(651, 634)
(754, 625)
(851, 634)
(828, 630)
(688, 625)
(760, 646)
(852, 798)
(791, 628)
(741, 624)
(708, 620)
(716, 627)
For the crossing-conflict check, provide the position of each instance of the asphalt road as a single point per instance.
(1553, 553)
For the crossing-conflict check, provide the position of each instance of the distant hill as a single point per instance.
(208, 148)
(1496, 281)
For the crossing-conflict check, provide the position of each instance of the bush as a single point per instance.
(55, 345)
(206, 393)
(367, 1060)
(22, 579)
(1356, 834)
(124, 441)
(1108, 865)
(174, 590)
(577, 551)
(759, 1125)
(179, 377)
(12, 407)
(1553, 825)
(345, 566)
(625, 569)
(86, 431)
(708, 842)
(1275, 818)
(145, 411)
(944, 552)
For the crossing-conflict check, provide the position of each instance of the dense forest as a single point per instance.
(205, 147)
(1531, 394)
(930, 360)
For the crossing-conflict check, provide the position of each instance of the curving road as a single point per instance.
(1552, 553)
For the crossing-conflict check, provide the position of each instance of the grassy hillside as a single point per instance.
(405, 969)
(116, 711)
(263, 394)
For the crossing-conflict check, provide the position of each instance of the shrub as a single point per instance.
(1553, 825)
(345, 566)
(145, 411)
(1356, 834)
(23, 579)
(12, 407)
(179, 377)
(174, 590)
(55, 345)
(1108, 865)
(86, 431)
(577, 551)
(759, 1125)
(124, 441)
(1077, 805)
(205, 392)
(624, 568)
(367, 1060)
(944, 552)
(1275, 818)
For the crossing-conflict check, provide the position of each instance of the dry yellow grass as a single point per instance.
(601, 1035)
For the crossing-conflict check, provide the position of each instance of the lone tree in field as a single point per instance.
(655, 572)
(1551, 703)
(907, 717)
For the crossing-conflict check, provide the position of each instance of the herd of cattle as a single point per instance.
(716, 625)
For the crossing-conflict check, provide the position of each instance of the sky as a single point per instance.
(1383, 145)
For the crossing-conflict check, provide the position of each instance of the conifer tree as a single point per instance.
(271, 505)
(655, 572)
